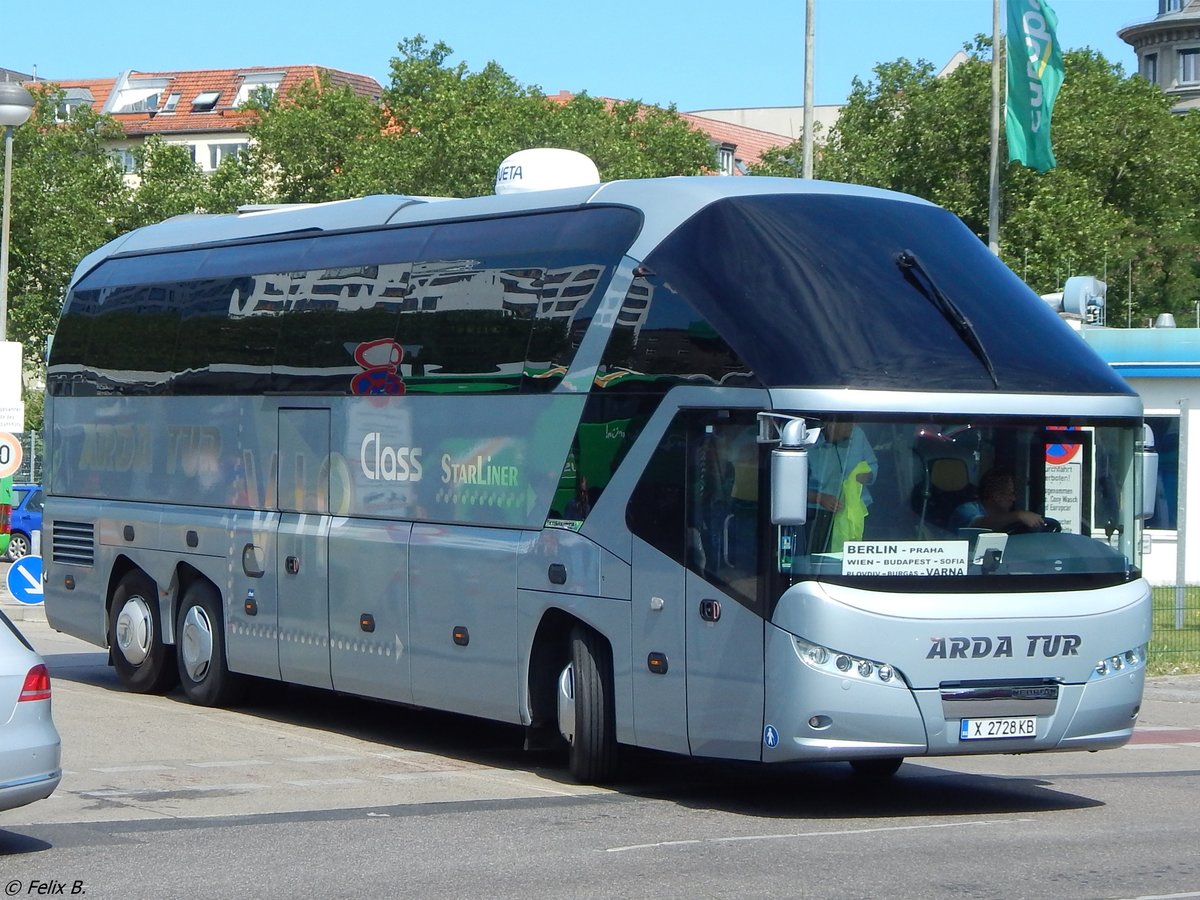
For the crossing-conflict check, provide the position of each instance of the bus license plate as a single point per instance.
(1010, 727)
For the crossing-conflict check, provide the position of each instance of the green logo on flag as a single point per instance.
(1035, 73)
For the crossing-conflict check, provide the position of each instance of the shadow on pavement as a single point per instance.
(819, 790)
(13, 843)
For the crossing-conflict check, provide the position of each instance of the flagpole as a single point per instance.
(994, 166)
(808, 89)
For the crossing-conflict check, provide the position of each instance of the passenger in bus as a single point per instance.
(994, 508)
(581, 504)
(841, 466)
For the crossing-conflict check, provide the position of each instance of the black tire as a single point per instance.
(593, 752)
(200, 649)
(877, 768)
(142, 661)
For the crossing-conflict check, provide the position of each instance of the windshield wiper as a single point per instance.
(912, 268)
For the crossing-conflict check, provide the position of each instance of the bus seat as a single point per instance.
(946, 486)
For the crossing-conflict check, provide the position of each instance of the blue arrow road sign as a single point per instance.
(25, 579)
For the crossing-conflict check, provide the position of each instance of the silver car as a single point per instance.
(30, 748)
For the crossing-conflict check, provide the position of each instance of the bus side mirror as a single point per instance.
(1149, 460)
(789, 475)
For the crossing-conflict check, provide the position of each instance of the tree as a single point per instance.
(443, 129)
(169, 184)
(68, 196)
(306, 146)
(627, 139)
(1120, 201)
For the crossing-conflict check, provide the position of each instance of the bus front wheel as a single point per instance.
(587, 716)
(141, 659)
(200, 649)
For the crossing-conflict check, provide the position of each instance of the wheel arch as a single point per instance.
(549, 653)
(121, 567)
(548, 656)
(182, 577)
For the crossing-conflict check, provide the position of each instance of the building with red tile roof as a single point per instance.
(201, 109)
(737, 147)
(204, 110)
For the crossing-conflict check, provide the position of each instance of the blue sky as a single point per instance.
(697, 55)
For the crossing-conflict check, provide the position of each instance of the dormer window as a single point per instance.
(206, 102)
(73, 98)
(725, 159)
(260, 86)
(137, 99)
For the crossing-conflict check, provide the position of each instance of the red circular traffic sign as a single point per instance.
(11, 454)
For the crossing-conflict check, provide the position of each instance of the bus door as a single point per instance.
(659, 659)
(696, 549)
(302, 556)
(723, 607)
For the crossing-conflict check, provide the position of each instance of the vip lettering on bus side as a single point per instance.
(1051, 645)
(381, 462)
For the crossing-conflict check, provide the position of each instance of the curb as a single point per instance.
(22, 612)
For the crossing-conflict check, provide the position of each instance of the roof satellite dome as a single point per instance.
(544, 169)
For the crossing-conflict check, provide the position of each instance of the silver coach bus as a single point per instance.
(689, 464)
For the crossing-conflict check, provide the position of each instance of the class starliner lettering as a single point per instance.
(381, 462)
(478, 471)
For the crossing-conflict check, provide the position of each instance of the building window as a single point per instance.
(147, 103)
(219, 152)
(725, 159)
(1166, 495)
(140, 95)
(205, 102)
(66, 110)
(1150, 67)
(125, 159)
(1169, 6)
(73, 98)
(260, 88)
(1189, 66)
(172, 102)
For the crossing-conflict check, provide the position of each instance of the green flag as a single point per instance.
(1035, 73)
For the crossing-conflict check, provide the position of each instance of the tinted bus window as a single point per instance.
(660, 339)
(813, 293)
(460, 307)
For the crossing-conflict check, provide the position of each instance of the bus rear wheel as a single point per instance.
(200, 649)
(587, 717)
(139, 656)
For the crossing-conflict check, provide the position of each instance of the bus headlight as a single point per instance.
(832, 662)
(1129, 660)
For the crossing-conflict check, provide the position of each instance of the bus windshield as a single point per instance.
(977, 498)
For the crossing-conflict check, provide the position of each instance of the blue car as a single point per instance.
(26, 518)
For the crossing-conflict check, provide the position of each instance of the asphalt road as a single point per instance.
(305, 793)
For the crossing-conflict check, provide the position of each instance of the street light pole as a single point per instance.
(16, 106)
